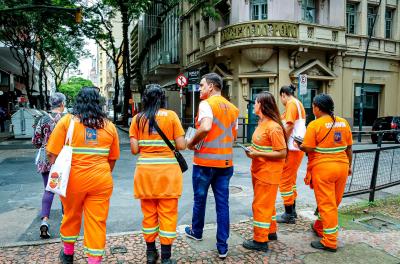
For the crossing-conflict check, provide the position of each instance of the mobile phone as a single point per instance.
(299, 140)
(243, 147)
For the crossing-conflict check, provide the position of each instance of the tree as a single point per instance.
(72, 87)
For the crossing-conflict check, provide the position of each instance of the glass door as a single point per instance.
(256, 87)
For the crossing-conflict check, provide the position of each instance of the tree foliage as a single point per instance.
(72, 87)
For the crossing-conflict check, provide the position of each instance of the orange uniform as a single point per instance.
(216, 150)
(328, 166)
(90, 182)
(158, 177)
(287, 187)
(266, 174)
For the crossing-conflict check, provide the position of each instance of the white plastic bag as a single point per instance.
(299, 129)
(59, 172)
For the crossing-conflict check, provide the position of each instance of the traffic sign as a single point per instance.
(303, 84)
(194, 76)
(181, 80)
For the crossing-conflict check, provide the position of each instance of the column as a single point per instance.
(380, 21)
(363, 17)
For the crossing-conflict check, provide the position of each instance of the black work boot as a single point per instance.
(318, 245)
(254, 245)
(66, 259)
(294, 210)
(272, 236)
(151, 253)
(287, 217)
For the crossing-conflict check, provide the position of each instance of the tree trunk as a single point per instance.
(41, 70)
(126, 63)
(116, 93)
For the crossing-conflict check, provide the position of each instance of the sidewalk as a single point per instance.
(293, 246)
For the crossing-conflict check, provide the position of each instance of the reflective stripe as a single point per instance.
(150, 230)
(94, 252)
(154, 143)
(330, 150)
(261, 148)
(294, 187)
(319, 217)
(70, 239)
(274, 218)
(144, 161)
(261, 224)
(329, 231)
(91, 151)
(227, 132)
(167, 234)
(212, 156)
(286, 194)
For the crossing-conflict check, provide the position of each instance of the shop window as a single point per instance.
(259, 9)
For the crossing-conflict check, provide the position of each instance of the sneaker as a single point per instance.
(44, 230)
(189, 233)
(254, 245)
(223, 255)
(318, 245)
(168, 261)
(66, 259)
(152, 257)
(272, 236)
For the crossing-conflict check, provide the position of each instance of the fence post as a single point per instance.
(375, 169)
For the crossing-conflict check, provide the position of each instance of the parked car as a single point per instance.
(387, 123)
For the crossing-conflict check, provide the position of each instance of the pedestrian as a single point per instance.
(40, 138)
(294, 122)
(158, 177)
(268, 152)
(3, 118)
(95, 150)
(216, 125)
(328, 142)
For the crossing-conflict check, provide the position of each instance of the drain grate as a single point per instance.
(379, 223)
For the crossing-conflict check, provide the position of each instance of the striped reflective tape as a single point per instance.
(261, 224)
(274, 218)
(261, 148)
(167, 234)
(147, 161)
(287, 194)
(94, 252)
(330, 150)
(69, 239)
(294, 187)
(329, 231)
(150, 230)
(154, 143)
(91, 151)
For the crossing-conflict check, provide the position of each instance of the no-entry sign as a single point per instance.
(181, 80)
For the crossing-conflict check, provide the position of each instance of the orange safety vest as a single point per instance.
(216, 150)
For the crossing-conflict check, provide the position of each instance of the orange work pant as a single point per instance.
(287, 186)
(160, 217)
(94, 204)
(329, 180)
(264, 214)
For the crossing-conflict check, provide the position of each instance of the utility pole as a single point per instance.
(361, 105)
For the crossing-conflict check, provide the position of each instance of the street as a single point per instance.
(21, 189)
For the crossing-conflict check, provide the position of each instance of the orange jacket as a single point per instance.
(216, 150)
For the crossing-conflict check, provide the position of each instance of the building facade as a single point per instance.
(262, 45)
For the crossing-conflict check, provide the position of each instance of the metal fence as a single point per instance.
(373, 170)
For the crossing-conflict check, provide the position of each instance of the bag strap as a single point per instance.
(333, 124)
(70, 131)
(164, 137)
(298, 108)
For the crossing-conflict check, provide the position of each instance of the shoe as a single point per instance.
(223, 255)
(254, 245)
(66, 259)
(44, 230)
(319, 245)
(152, 257)
(189, 233)
(287, 217)
(315, 231)
(272, 236)
(294, 210)
(168, 261)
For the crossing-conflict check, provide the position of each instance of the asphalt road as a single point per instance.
(21, 190)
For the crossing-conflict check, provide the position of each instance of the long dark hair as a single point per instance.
(87, 107)
(325, 103)
(269, 108)
(153, 99)
(288, 90)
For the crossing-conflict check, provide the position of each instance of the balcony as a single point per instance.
(273, 33)
(378, 47)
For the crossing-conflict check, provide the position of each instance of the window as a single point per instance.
(259, 9)
(206, 26)
(372, 11)
(388, 23)
(308, 11)
(351, 16)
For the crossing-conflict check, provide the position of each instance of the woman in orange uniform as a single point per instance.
(328, 142)
(158, 177)
(294, 121)
(268, 153)
(95, 150)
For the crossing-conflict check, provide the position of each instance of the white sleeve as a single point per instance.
(204, 111)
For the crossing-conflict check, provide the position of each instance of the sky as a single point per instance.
(85, 64)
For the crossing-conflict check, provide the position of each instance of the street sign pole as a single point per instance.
(181, 97)
(181, 81)
(193, 88)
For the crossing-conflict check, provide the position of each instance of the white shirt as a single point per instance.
(206, 111)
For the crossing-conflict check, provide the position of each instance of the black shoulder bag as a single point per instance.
(181, 160)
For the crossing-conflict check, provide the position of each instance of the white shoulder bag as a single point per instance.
(59, 172)
(299, 129)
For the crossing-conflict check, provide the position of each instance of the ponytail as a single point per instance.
(288, 90)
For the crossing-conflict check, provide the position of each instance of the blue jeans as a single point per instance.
(219, 179)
